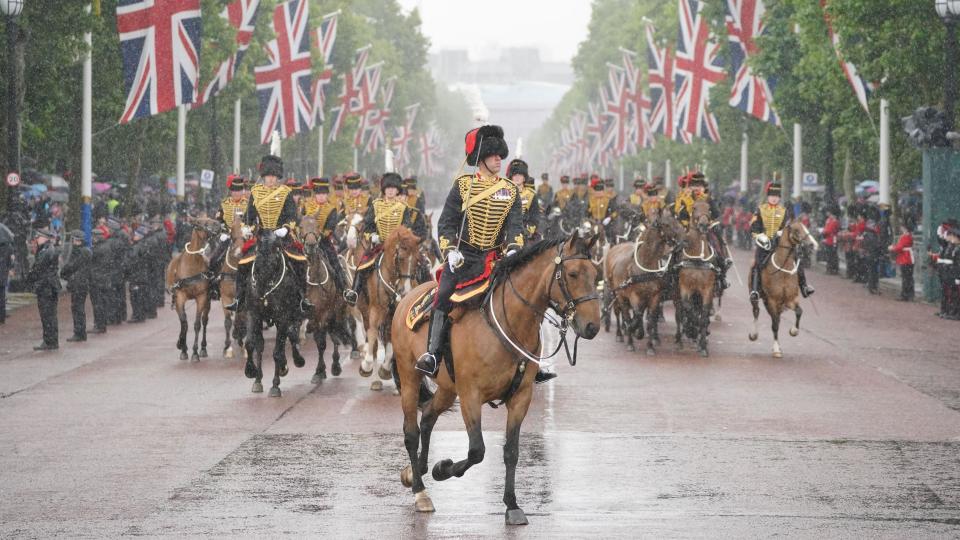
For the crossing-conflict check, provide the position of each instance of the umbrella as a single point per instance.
(38, 188)
(57, 182)
(100, 187)
(58, 196)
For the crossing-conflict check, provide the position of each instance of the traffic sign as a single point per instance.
(13, 179)
(810, 182)
(206, 179)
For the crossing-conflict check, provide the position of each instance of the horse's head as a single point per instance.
(403, 248)
(576, 274)
(310, 234)
(203, 229)
(796, 235)
(666, 226)
(701, 215)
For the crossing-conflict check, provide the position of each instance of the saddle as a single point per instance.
(369, 258)
(294, 250)
(465, 294)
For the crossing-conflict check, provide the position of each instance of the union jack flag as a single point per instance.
(617, 109)
(367, 102)
(750, 93)
(283, 84)
(378, 118)
(431, 144)
(242, 16)
(326, 36)
(349, 92)
(160, 48)
(660, 78)
(861, 87)
(639, 103)
(401, 143)
(698, 69)
(597, 134)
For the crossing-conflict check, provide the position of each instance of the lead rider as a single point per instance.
(766, 226)
(481, 217)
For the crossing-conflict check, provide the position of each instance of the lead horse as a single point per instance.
(492, 350)
(779, 284)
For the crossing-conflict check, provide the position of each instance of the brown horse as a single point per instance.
(491, 350)
(187, 280)
(696, 281)
(330, 313)
(779, 284)
(391, 277)
(234, 324)
(635, 277)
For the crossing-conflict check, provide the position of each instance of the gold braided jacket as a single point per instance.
(320, 212)
(356, 205)
(651, 204)
(562, 197)
(636, 200)
(486, 216)
(597, 207)
(772, 217)
(412, 198)
(388, 215)
(269, 203)
(230, 209)
(527, 195)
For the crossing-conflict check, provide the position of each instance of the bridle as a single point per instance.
(394, 288)
(793, 250)
(566, 311)
(276, 284)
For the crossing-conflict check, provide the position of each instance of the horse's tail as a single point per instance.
(425, 394)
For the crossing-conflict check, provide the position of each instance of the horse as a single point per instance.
(635, 277)
(779, 284)
(391, 276)
(696, 281)
(330, 312)
(234, 324)
(272, 298)
(492, 349)
(187, 279)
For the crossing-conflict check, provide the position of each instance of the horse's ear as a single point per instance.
(592, 242)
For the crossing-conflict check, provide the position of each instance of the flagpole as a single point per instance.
(86, 150)
(744, 163)
(649, 171)
(797, 161)
(181, 150)
(884, 151)
(667, 175)
(356, 159)
(236, 136)
(320, 151)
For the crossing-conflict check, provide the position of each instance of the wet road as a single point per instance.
(856, 432)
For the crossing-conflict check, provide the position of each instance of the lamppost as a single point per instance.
(949, 11)
(12, 9)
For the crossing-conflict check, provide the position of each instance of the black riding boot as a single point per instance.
(436, 336)
(339, 276)
(240, 299)
(299, 268)
(755, 282)
(805, 290)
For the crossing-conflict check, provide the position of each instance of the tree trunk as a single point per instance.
(848, 190)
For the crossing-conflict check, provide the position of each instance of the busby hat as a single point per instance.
(391, 180)
(545, 177)
(320, 185)
(353, 181)
(639, 183)
(580, 180)
(564, 179)
(596, 184)
(697, 178)
(483, 142)
(271, 165)
(608, 182)
(235, 182)
(518, 166)
(293, 183)
(410, 182)
(652, 190)
(773, 188)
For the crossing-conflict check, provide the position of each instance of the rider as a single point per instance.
(231, 207)
(696, 190)
(383, 216)
(415, 198)
(356, 201)
(545, 191)
(563, 194)
(637, 198)
(271, 207)
(601, 207)
(517, 173)
(652, 200)
(481, 217)
(766, 225)
(321, 208)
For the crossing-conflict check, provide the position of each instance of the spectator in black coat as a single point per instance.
(76, 271)
(44, 275)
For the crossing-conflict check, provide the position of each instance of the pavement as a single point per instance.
(854, 433)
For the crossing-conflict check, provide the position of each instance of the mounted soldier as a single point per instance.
(766, 226)
(517, 172)
(356, 201)
(696, 190)
(481, 218)
(544, 192)
(231, 208)
(563, 194)
(274, 211)
(414, 195)
(326, 213)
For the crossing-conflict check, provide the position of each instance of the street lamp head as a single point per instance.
(11, 8)
(948, 10)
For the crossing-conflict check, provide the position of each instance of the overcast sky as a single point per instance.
(556, 27)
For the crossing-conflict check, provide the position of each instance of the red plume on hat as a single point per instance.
(595, 181)
(490, 138)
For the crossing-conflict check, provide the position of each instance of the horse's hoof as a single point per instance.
(250, 370)
(299, 361)
(183, 355)
(275, 391)
(395, 391)
(794, 332)
(406, 476)
(423, 503)
(228, 352)
(335, 369)
(619, 339)
(631, 348)
(203, 353)
(384, 372)
(516, 517)
(283, 370)
(777, 354)
(438, 472)
(376, 386)
(753, 337)
(365, 373)
(704, 353)
(651, 352)
(257, 388)
(194, 357)
(717, 318)
(355, 355)
(317, 377)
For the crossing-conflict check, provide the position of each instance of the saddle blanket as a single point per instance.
(463, 293)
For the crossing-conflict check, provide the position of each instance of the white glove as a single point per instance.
(246, 231)
(511, 252)
(281, 232)
(763, 241)
(606, 221)
(454, 259)
(224, 237)
(375, 238)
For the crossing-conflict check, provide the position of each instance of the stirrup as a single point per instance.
(350, 296)
(427, 363)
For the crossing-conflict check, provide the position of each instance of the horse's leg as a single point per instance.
(370, 359)
(178, 304)
(441, 401)
(619, 316)
(294, 335)
(756, 314)
(205, 317)
(652, 322)
(197, 324)
(704, 326)
(279, 358)
(254, 347)
(775, 326)
(470, 408)
(795, 331)
(516, 411)
(320, 338)
(227, 328)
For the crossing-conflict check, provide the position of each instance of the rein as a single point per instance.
(186, 249)
(790, 251)
(283, 273)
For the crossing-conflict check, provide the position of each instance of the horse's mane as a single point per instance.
(518, 260)
(401, 235)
